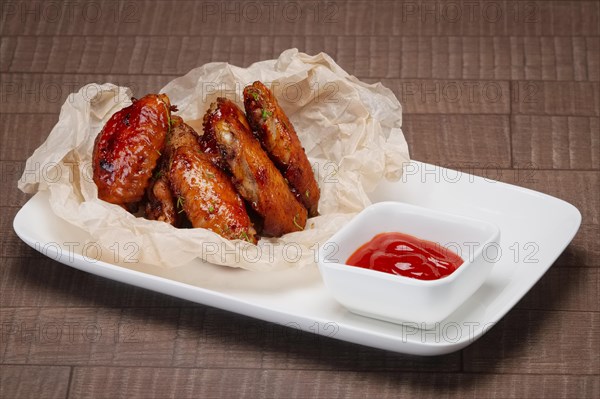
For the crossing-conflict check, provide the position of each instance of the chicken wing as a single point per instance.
(254, 174)
(161, 203)
(127, 149)
(207, 195)
(278, 137)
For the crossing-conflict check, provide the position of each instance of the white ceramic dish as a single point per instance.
(398, 298)
(538, 225)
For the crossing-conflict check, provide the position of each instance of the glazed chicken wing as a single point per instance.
(161, 203)
(207, 195)
(128, 148)
(281, 142)
(254, 174)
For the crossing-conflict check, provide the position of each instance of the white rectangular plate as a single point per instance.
(535, 229)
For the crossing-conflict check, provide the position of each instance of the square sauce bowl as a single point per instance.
(401, 299)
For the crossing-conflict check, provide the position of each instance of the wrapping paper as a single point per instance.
(351, 132)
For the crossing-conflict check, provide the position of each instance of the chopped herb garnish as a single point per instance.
(296, 223)
(210, 175)
(244, 236)
(168, 110)
(266, 114)
(158, 152)
(307, 193)
(255, 95)
(211, 209)
(180, 201)
(158, 174)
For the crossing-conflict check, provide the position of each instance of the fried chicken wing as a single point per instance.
(207, 195)
(128, 148)
(278, 137)
(161, 203)
(254, 174)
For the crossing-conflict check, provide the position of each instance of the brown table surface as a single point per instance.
(528, 74)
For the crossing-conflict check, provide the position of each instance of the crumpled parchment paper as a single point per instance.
(351, 132)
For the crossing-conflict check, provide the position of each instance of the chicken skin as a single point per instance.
(207, 196)
(181, 135)
(127, 149)
(278, 137)
(254, 175)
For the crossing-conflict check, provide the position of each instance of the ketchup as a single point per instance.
(406, 255)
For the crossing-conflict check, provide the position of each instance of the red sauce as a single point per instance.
(405, 255)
